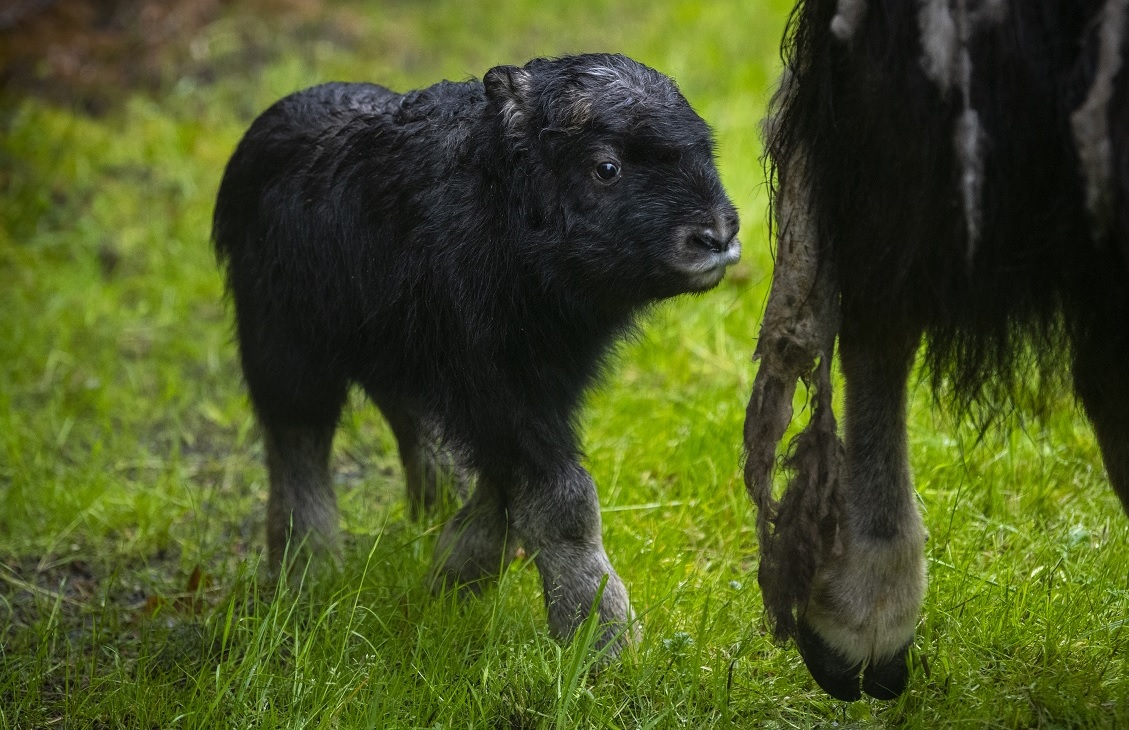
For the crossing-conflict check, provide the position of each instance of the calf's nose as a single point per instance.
(711, 239)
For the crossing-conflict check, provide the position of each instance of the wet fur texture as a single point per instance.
(981, 241)
(453, 252)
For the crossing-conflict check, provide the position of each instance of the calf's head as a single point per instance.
(617, 173)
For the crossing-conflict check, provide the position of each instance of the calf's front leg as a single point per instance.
(866, 598)
(556, 514)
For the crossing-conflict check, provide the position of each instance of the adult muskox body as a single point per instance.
(467, 254)
(949, 170)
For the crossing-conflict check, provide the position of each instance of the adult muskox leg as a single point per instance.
(432, 472)
(865, 600)
(476, 544)
(1100, 379)
(557, 516)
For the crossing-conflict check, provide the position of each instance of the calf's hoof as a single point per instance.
(569, 608)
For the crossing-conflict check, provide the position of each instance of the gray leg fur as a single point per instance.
(432, 473)
(301, 506)
(558, 520)
(475, 546)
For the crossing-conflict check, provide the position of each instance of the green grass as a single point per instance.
(129, 459)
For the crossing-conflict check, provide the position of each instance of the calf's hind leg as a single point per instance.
(476, 544)
(432, 472)
(301, 507)
(298, 404)
(865, 600)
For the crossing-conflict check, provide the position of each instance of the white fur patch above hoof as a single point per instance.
(862, 615)
(865, 603)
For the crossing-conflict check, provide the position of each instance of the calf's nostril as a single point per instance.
(707, 238)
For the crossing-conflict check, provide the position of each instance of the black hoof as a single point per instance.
(828, 668)
(886, 680)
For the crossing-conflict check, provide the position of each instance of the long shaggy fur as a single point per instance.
(797, 533)
(886, 184)
(963, 171)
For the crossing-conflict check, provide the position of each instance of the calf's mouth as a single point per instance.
(703, 253)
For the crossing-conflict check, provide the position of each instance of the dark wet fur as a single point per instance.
(884, 184)
(450, 251)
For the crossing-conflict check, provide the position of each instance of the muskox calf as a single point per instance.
(467, 254)
(953, 171)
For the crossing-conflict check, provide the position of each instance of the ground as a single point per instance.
(131, 486)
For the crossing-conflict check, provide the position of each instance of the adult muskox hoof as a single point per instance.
(836, 675)
(887, 679)
(839, 677)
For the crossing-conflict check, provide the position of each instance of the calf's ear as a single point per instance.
(510, 89)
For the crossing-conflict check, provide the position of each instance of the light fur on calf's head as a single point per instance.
(610, 85)
(510, 88)
(579, 93)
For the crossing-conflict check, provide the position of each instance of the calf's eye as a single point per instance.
(607, 171)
